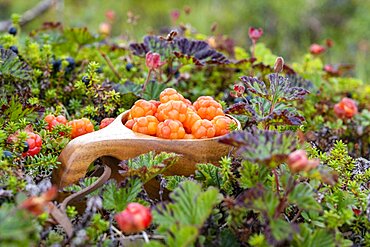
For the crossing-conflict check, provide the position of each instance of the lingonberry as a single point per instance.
(135, 218)
(203, 129)
(80, 127)
(34, 143)
(146, 125)
(105, 122)
(175, 110)
(170, 129)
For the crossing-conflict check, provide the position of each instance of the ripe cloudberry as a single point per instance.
(222, 124)
(143, 108)
(80, 127)
(346, 108)
(135, 218)
(203, 129)
(191, 118)
(208, 108)
(34, 143)
(146, 125)
(53, 121)
(170, 94)
(129, 123)
(189, 136)
(105, 122)
(175, 110)
(170, 129)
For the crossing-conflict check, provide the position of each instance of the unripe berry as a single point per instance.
(135, 218)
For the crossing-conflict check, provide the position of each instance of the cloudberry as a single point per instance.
(105, 122)
(175, 110)
(191, 118)
(135, 218)
(52, 121)
(155, 102)
(346, 108)
(143, 108)
(170, 94)
(189, 136)
(208, 108)
(170, 129)
(203, 129)
(222, 124)
(80, 127)
(34, 143)
(130, 123)
(146, 125)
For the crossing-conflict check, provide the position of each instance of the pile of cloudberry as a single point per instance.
(174, 117)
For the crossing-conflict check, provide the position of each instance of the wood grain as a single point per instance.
(121, 143)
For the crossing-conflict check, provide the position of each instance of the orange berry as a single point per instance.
(175, 110)
(142, 108)
(170, 94)
(208, 108)
(52, 121)
(105, 122)
(191, 118)
(189, 136)
(155, 102)
(222, 124)
(80, 127)
(130, 123)
(146, 125)
(170, 129)
(203, 129)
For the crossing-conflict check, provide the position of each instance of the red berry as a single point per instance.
(346, 108)
(105, 122)
(34, 143)
(135, 218)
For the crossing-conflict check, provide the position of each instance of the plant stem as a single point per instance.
(147, 79)
(277, 182)
(109, 62)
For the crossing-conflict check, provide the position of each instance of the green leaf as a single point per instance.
(174, 181)
(149, 165)
(280, 229)
(153, 89)
(116, 199)
(78, 35)
(181, 219)
(303, 196)
(209, 174)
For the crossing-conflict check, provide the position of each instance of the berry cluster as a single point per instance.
(79, 126)
(175, 117)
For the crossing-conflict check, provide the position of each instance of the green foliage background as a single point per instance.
(290, 25)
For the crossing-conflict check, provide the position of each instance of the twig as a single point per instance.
(109, 62)
(30, 14)
(296, 216)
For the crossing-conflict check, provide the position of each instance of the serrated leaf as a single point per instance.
(147, 166)
(284, 90)
(116, 199)
(153, 89)
(209, 174)
(256, 86)
(174, 181)
(303, 196)
(280, 229)
(193, 51)
(262, 146)
(12, 68)
(79, 35)
(189, 206)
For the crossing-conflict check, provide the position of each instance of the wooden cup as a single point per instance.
(116, 142)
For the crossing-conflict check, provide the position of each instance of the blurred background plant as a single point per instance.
(290, 27)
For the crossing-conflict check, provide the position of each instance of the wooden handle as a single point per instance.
(122, 143)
